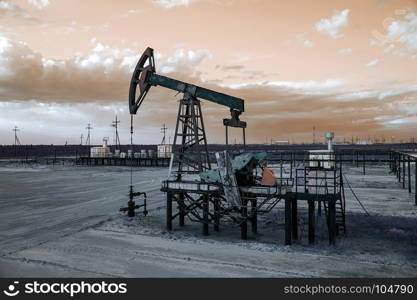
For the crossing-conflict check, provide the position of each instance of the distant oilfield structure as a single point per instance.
(33, 151)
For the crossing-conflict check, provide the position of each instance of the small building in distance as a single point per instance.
(164, 151)
(280, 143)
(364, 142)
(323, 159)
(103, 151)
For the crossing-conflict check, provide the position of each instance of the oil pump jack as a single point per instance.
(190, 142)
(235, 186)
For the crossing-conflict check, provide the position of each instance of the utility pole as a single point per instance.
(163, 130)
(81, 139)
(88, 141)
(116, 138)
(16, 138)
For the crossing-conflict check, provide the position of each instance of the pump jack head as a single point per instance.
(144, 68)
(234, 121)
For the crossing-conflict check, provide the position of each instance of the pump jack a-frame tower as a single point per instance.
(190, 141)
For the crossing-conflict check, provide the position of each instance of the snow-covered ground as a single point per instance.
(64, 221)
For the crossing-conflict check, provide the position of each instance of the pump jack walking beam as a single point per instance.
(144, 77)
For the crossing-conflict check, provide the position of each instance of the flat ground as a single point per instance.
(64, 221)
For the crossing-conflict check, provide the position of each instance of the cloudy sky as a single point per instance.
(343, 66)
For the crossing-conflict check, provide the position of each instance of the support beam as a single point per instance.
(169, 211)
(363, 159)
(205, 215)
(181, 207)
(294, 218)
(287, 221)
(311, 222)
(331, 222)
(305, 179)
(319, 209)
(244, 222)
(227, 134)
(399, 167)
(254, 215)
(216, 214)
(409, 173)
(244, 138)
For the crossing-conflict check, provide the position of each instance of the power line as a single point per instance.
(88, 141)
(116, 134)
(16, 138)
(163, 130)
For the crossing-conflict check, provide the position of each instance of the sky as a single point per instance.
(344, 66)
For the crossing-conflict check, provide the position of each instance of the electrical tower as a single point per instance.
(87, 141)
(116, 133)
(163, 130)
(16, 138)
